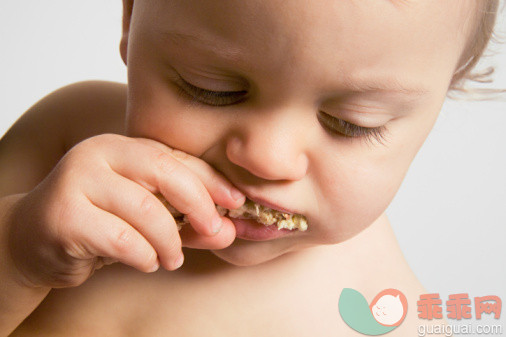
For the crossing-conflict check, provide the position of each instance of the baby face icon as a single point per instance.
(389, 307)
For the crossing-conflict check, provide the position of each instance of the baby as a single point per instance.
(308, 109)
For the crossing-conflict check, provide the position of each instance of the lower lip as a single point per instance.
(248, 229)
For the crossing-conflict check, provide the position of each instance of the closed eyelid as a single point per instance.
(366, 108)
(360, 108)
(199, 96)
(196, 88)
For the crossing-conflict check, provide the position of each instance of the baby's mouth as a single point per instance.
(266, 216)
(250, 210)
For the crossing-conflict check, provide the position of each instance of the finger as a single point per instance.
(221, 189)
(143, 211)
(224, 238)
(103, 261)
(159, 172)
(104, 234)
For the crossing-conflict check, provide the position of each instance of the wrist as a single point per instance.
(10, 272)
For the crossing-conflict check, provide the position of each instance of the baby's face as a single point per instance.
(321, 107)
(388, 310)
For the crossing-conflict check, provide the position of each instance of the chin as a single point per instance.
(243, 253)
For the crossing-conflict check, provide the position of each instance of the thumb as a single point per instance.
(191, 239)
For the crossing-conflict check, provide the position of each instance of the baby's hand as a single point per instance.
(97, 206)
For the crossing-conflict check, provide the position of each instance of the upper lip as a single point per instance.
(263, 202)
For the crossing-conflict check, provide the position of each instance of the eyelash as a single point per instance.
(199, 96)
(350, 130)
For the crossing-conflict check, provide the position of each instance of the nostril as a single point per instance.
(235, 152)
(232, 149)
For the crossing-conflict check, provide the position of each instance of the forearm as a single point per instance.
(17, 299)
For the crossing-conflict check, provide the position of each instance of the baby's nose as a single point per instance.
(270, 149)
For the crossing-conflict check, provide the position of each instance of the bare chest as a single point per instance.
(123, 302)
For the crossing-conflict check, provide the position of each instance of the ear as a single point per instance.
(127, 16)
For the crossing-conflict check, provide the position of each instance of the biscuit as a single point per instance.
(250, 210)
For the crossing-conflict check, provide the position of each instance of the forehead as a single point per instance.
(356, 37)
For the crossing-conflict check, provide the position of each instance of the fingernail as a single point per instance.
(216, 224)
(179, 261)
(236, 194)
(155, 266)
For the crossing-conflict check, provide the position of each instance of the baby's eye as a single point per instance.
(209, 97)
(346, 129)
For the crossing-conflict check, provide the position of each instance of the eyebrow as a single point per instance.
(210, 45)
(389, 85)
(386, 84)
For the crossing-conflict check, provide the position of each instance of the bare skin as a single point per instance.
(260, 99)
(297, 294)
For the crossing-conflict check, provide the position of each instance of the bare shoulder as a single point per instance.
(42, 135)
(76, 111)
(87, 109)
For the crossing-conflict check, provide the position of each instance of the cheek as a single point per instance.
(357, 194)
(159, 115)
(358, 182)
(155, 111)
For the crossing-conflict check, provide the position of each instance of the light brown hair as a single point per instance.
(483, 33)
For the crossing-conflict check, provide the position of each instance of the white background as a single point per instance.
(449, 215)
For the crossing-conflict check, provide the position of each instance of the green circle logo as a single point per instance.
(385, 313)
